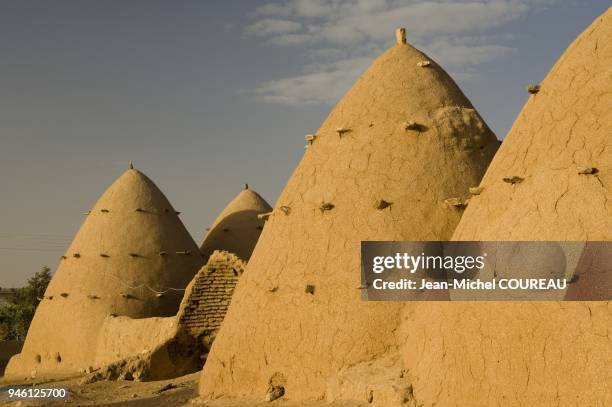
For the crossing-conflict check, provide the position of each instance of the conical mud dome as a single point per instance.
(237, 228)
(401, 141)
(546, 353)
(561, 149)
(132, 256)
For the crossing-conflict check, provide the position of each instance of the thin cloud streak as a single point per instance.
(343, 36)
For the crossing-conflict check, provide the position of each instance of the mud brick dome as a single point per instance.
(548, 353)
(402, 141)
(131, 257)
(560, 151)
(238, 226)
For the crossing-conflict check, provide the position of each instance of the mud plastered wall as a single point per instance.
(123, 337)
(145, 349)
(156, 348)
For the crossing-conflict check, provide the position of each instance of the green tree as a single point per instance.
(33, 292)
(16, 315)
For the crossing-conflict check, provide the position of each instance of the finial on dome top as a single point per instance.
(131, 167)
(246, 186)
(400, 35)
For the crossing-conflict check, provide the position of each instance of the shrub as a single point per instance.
(16, 315)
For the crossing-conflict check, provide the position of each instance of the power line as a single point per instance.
(28, 249)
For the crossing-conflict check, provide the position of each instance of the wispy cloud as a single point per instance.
(272, 27)
(325, 84)
(343, 36)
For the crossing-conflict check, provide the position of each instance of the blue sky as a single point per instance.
(205, 95)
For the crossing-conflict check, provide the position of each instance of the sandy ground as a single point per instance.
(180, 391)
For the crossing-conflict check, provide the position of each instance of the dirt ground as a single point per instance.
(180, 391)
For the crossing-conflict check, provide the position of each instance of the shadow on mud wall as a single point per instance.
(7, 350)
